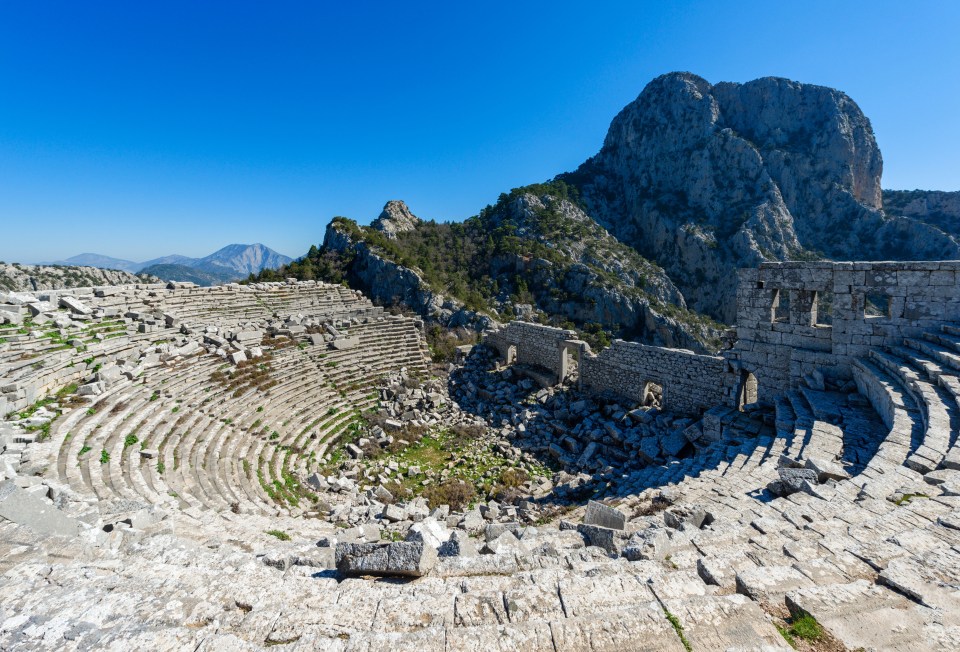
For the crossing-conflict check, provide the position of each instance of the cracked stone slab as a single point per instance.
(729, 622)
(863, 615)
(769, 584)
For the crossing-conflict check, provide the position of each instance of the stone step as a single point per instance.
(950, 329)
(941, 417)
(945, 339)
(896, 409)
(945, 356)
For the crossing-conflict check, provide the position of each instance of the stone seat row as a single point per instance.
(221, 463)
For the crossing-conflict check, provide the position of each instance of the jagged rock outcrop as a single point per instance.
(395, 218)
(706, 178)
(15, 277)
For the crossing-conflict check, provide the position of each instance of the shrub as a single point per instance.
(280, 534)
(456, 493)
(104, 457)
(514, 477)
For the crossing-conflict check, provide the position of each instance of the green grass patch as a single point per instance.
(280, 534)
(129, 440)
(785, 633)
(104, 456)
(804, 626)
(678, 628)
(83, 450)
(906, 498)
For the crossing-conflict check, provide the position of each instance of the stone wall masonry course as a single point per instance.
(919, 296)
(691, 383)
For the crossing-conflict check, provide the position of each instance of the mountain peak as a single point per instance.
(246, 259)
(705, 178)
(395, 218)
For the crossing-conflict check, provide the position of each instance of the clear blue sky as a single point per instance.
(139, 129)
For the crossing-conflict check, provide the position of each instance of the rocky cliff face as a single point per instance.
(389, 283)
(28, 278)
(934, 207)
(706, 178)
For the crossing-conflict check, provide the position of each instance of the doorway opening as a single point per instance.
(748, 391)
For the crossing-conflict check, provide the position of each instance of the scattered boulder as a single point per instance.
(825, 469)
(791, 480)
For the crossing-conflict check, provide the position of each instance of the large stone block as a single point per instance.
(75, 305)
(24, 508)
(604, 516)
(345, 343)
(402, 558)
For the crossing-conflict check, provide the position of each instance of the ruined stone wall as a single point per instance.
(794, 321)
(691, 383)
(537, 345)
(797, 318)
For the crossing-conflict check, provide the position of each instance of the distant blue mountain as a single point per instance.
(233, 262)
(103, 262)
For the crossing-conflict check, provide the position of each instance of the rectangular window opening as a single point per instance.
(824, 308)
(781, 307)
(876, 305)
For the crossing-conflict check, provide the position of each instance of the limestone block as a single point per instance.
(11, 314)
(75, 305)
(346, 343)
(404, 558)
(604, 516)
(23, 508)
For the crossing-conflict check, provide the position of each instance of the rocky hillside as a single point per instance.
(15, 277)
(934, 207)
(534, 255)
(704, 178)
